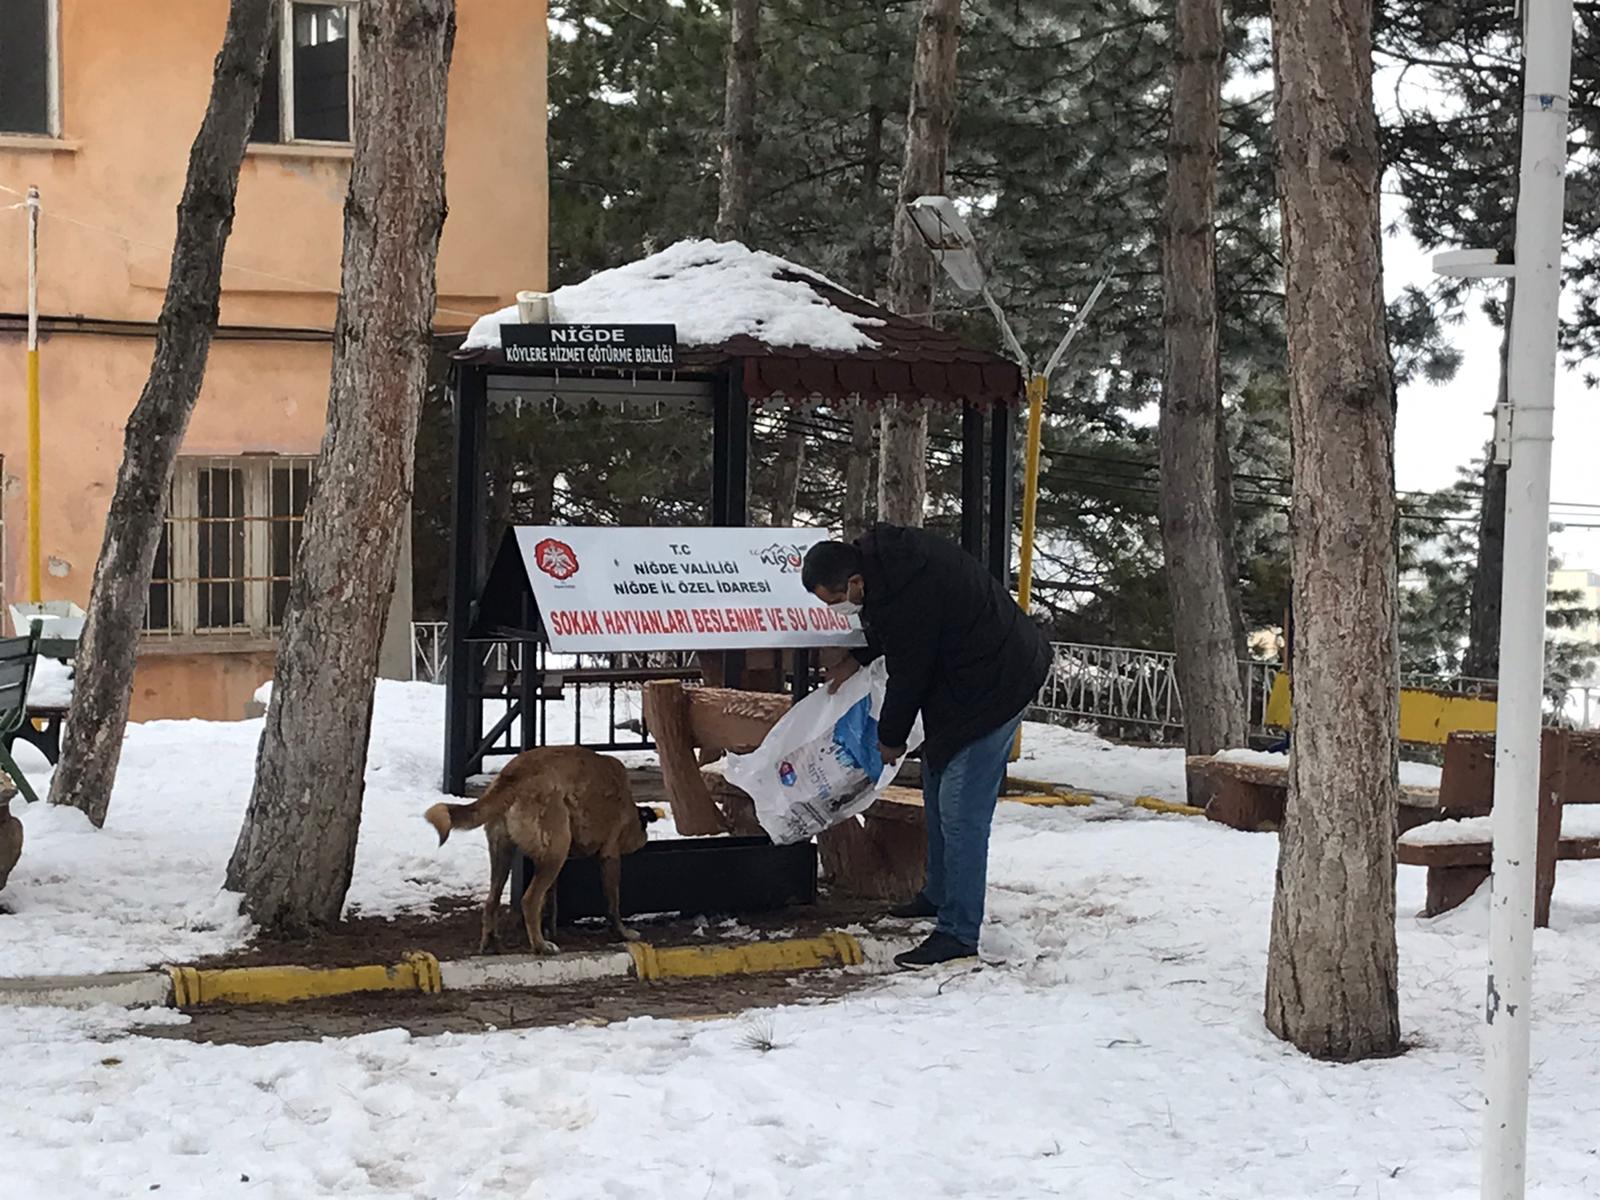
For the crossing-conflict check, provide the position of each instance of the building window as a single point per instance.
(28, 67)
(307, 93)
(228, 547)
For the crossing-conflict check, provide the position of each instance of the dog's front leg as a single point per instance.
(611, 880)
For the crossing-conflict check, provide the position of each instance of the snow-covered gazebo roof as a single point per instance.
(797, 335)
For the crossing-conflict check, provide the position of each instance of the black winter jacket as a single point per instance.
(959, 649)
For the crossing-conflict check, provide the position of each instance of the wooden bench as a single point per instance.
(17, 658)
(878, 855)
(1458, 851)
(1252, 796)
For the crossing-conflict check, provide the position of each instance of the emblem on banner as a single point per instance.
(556, 559)
(786, 558)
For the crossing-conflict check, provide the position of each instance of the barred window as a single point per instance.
(228, 546)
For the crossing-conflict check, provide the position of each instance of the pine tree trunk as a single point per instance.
(1331, 971)
(858, 471)
(1196, 508)
(858, 492)
(786, 477)
(107, 652)
(1482, 660)
(739, 121)
(903, 442)
(295, 852)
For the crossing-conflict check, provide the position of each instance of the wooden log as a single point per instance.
(1466, 786)
(1248, 796)
(734, 803)
(1449, 887)
(1582, 782)
(882, 854)
(724, 719)
(1552, 774)
(666, 715)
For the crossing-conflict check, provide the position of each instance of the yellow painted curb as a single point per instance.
(193, 987)
(701, 962)
(1151, 804)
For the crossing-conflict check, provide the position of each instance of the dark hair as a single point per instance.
(830, 565)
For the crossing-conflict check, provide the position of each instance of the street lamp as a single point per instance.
(953, 247)
(1523, 432)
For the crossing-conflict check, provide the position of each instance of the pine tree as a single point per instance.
(737, 177)
(1196, 481)
(92, 747)
(1332, 968)
(296, 851)
(903, 430)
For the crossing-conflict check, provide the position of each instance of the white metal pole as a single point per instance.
(35, 510)
(1547, 54)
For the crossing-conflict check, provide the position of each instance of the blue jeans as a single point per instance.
(958, 807)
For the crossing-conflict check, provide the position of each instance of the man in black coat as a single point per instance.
(962, 653)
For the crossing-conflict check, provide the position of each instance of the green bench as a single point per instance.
(17, 658)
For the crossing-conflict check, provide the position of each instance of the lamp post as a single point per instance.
(953, 247)
(1523, 432)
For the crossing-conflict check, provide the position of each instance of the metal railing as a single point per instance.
(1128, 692)
(1123, 691)
(429, 646)
(1581, 708)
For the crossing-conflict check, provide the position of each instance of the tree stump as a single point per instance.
(882, 854)
(683, 719)
(737, 809)
(10, 831)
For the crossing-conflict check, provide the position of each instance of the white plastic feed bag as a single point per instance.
(820, 764)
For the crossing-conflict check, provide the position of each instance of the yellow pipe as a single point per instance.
(34, 511)
(1038, 385)
(834, 948)
(192, 987)
(1152, 804)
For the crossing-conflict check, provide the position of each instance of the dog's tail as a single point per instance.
(448, 817)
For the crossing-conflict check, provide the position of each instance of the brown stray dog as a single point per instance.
(552, 803)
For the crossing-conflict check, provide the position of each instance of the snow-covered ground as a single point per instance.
(1112, 1047)
(147, 889)
(157, 867)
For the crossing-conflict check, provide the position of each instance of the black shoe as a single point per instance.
(917, 907)
(939, 948)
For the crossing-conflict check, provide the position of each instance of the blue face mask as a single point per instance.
(845, 608)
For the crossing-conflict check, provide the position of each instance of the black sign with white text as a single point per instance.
(644, 346)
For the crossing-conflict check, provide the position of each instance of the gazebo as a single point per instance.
(721, 331)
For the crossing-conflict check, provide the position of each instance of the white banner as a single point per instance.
(605, 589)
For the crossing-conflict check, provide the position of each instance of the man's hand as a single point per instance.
(890, 754)
(840, 671)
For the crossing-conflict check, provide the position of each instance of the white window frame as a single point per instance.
(286, 131)
(52, 46)
(183, 546)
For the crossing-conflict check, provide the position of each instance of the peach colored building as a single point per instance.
(99, 103)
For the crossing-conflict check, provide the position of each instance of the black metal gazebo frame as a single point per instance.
(486, 608)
